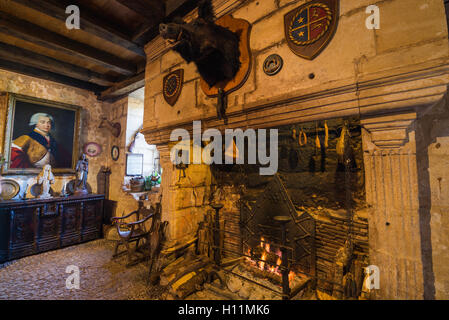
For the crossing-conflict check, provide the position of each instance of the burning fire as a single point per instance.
(265, 265)
(262, 263)
(291, 276)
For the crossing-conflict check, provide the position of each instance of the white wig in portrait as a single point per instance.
(35, 118)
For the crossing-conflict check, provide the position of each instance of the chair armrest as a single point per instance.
(143, 220)
(115, 219)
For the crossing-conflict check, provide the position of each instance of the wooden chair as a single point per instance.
(129, 232)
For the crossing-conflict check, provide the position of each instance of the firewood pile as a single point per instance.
(186, 275)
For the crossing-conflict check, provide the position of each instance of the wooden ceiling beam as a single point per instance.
(123, 88)
(27, 31)
(173, 5)
(152, 10)
(173, 8)
(31, 59)
(47, 75)
(89, 23)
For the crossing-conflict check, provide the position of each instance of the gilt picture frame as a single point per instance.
(40, 132)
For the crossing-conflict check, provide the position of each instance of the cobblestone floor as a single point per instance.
(43, 276)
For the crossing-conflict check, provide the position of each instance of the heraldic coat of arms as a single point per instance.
(310, 27)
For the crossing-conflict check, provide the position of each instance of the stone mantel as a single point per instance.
(408, 88)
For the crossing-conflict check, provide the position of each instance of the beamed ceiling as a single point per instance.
(106, 55)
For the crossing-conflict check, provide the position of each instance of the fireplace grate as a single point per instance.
(273, 222)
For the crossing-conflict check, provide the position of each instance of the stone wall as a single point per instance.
(185, 200)
(355, 57)
(433, 164)
(118, 112)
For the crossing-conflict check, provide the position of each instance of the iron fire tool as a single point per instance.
(217, 255)
(283, 220)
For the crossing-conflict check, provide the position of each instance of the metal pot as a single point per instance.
(137, 184)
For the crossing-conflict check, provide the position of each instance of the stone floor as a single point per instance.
(43, 276)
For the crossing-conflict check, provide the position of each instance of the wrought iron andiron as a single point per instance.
(217, 254)
(283, 220)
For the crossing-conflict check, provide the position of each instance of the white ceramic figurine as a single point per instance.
(45, 179)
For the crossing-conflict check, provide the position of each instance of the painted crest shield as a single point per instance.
(172, 86)
(310, 27)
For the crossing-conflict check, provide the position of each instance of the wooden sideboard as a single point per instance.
(33, 226)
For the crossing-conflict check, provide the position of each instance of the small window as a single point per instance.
(134, 164)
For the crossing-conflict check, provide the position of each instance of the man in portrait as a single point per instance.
(37, 148)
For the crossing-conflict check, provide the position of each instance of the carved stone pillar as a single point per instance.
(167, 176)
(392, 191)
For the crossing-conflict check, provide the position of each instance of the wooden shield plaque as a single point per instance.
(310, 27)
(172, 86)
(243, 29)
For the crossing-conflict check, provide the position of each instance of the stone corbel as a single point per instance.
(389, 131)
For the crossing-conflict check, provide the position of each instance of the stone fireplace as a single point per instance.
(382, 89)
(323, 199)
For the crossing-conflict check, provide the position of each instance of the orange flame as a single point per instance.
(262, 263)
(278, 262)
(291, 276)
(267, 247)
(248, 253)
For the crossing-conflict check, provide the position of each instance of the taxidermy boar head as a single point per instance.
(213, 49)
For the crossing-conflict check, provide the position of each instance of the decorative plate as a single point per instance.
(115, 153)
(272, 65)
(92, 149)
(9, 189)
(36, 190)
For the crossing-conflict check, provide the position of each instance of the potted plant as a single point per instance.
(152, 180)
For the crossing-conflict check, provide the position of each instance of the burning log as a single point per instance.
(269, 257)
(263, 274)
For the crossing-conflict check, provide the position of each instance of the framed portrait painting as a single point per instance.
(40, 132)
